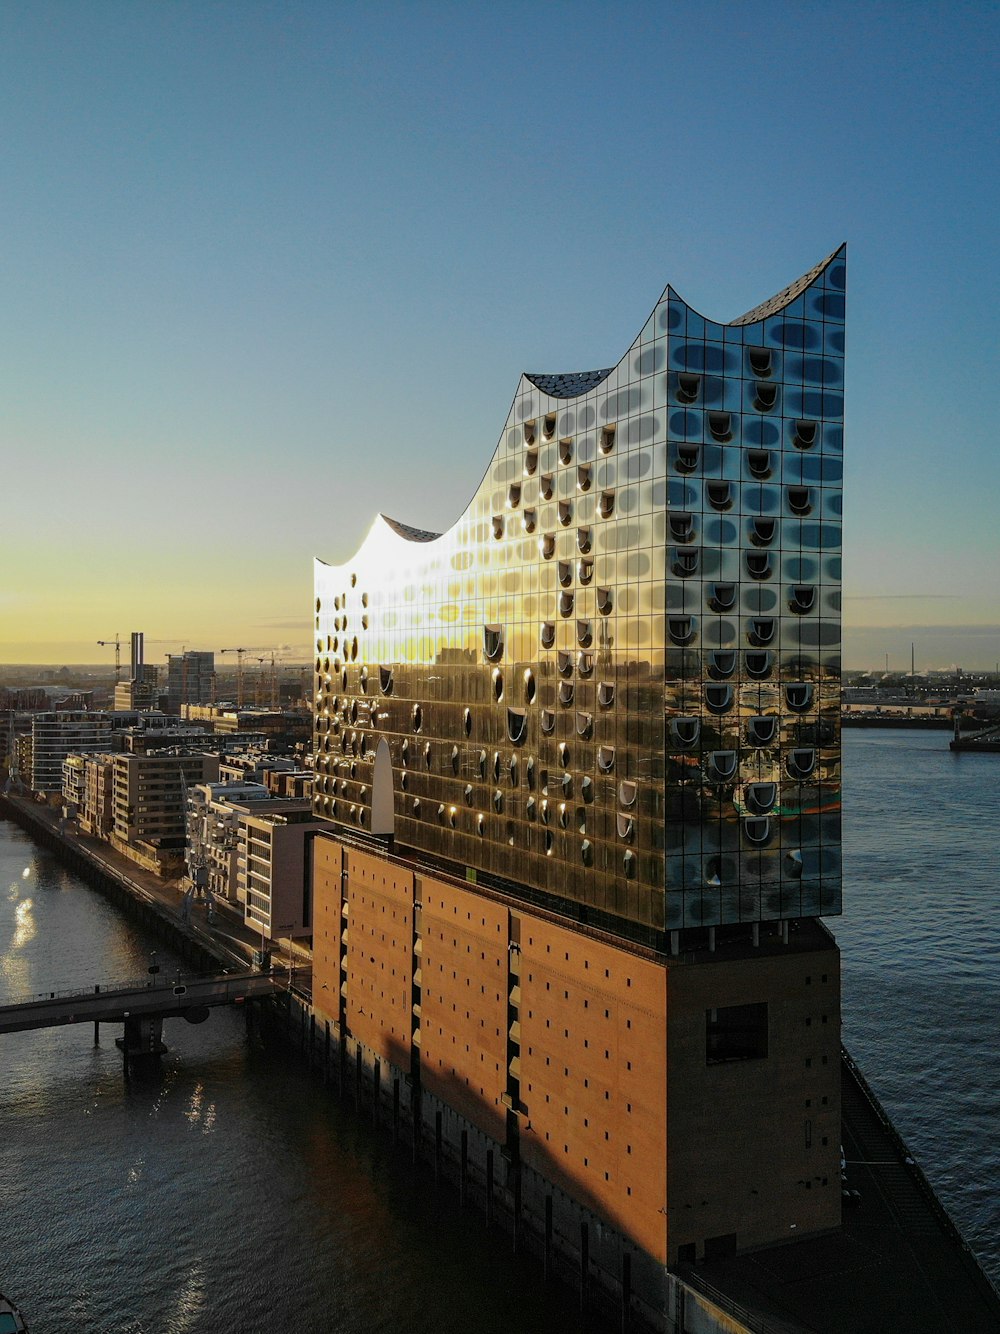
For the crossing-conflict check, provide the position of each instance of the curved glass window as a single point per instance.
(586, 852)
(805, 434)
(720, 424)
(498, 525)
(585, 571)
(722, 765)
(606, 694)
(549, 425)
(566, 604)
(799, 500)
(722, 597)
(585, 664)
(687, 457)
(757, 829)
(493, 642)
(514, 495)
(529, 684)
(548, 634)
(758, 564)
(607, 504)
(765, 396)
(547, 546)
(681, 525)
(803, 599)
(548, 722)
(497, 684)
(584, 540)
(564, 662)
(762, 530)
(385, 680)
(584, 476)
(530, 462)
(417, 717)
(605, 601)
(762, 630)
(528, 428)
(760, 361)
(627, 792)
(546, 485)
(587, 788)
(566, 450)
(684, 561)
(680, 629)
(517, 725)
(762, 730)
(720, 494)
(685, 729)
(565, 692)
(607, 439)
(605, 759)
(798, 696)
(623, 822)
(467, 721)
(565, 572)
(585, 725)
(759, 462)
(687, 387)
(565, 512)
(758, 663)
(718, 698)
(760, 797)
(529, 518)
(721, 663)
(584, 634)
(629, 865)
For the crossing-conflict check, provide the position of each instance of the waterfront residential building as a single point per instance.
(150, 803)
(55, 735)
(273, 883)
(578, 759)
(213, 834)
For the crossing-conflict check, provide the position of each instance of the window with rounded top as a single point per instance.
(585, 664)
(498, 801)
(565, 572)
(480, 825)
(548, 634)
(718, 698)
(584, 476)
(529, 519)
(759, 462)
(566, 604)
(483, 761)
(688, 457)
(627, 792)
(761, 361)
(760, 797)
(565, 512)
(584, 633)
(468, 794)
(543, 812)
(549, 842)
(565, 692)
(801, 762)
(720, 424)
(587, 852)
(722, 597)
(757, 663)
(517, 726)
(428, 757)
(548, 722)
(454, 760)
(681, 524)
(564, 662)
(385, 680)
(528, 428)
(587, 788)
(762, 630)
(549, 425)
(720, 494)
(685, 729)
(606, 694)
(563, 815)
(607, 504)
(758, 564)
(624, 824)
(498, 525)
(607, 439)
(566, 450)
(585, 571)
(493, 642)
(605, 601)
(547, 546)
(605, 759)
(529, 684)
(514, 495)
(416, 807)
(722, 765)
(680, 629)
(417, 716)
(805, 434)
(798, 696)
(514, 770)
(584, 540)
(467, 721)
(629, 865)
(497, 766)
(529, 808)
(762, 730)
(757, 829)
(529, 771)
(530, 462)
(404, 753)
(687, 387)
(802, 599)
(799, 499)
(546, 485)
(585, 725)
(497, 684)
(765, 396)
(563, 753)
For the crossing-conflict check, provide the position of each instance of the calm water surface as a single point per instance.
(234, 1194)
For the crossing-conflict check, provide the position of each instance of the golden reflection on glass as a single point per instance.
(701, 478)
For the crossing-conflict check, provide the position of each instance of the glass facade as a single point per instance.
(613, 686)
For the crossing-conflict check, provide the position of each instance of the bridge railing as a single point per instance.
(145, 983)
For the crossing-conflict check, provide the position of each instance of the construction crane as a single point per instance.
(257, 648)
(117, 644)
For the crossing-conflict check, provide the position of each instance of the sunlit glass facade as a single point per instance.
(612, 688)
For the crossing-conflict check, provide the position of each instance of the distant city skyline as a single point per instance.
(229, 230)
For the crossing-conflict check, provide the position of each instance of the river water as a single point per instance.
(235, 1194)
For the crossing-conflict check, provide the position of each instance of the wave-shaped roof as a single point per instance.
(787, 294)
(569, 385)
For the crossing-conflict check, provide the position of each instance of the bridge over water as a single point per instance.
(140, 1006)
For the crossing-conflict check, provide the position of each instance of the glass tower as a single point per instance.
(612, 687)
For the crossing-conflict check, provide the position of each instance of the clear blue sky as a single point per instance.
(268, 269)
